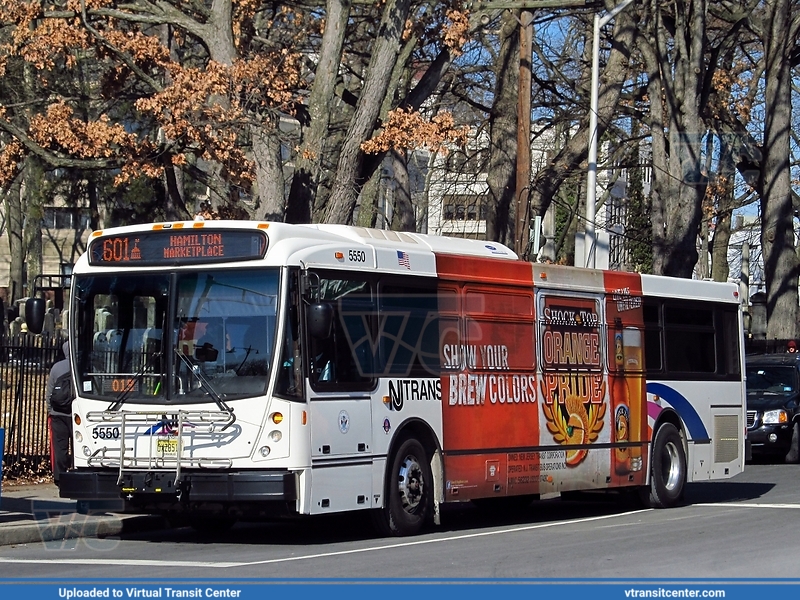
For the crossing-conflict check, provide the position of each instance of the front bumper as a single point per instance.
(159, 486)
(770, 439)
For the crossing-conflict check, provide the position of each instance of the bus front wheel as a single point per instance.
(667, 469)
(409, 500)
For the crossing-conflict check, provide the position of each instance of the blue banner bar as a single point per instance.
(348, 589)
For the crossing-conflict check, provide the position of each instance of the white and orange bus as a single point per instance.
(229, 370)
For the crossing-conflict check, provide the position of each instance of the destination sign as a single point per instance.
(177, 247)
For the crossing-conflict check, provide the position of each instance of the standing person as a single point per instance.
(59, 422)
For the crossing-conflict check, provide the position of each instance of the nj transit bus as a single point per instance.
(232, 370)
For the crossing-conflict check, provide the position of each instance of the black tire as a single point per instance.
(793, 455)
(409, 492)
(667, 469)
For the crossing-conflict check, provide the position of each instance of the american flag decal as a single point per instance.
(402, 260)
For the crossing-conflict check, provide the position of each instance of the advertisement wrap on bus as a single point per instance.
(232, 370)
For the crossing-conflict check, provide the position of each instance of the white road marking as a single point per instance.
(224, 565)
(743, 505)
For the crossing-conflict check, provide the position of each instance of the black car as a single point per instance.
(773, 409)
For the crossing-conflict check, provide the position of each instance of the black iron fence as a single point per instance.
(25, 362)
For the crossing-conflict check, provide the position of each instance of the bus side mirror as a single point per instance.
(34, 314)
(319, 318)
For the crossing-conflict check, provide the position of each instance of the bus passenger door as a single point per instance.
(339, 330)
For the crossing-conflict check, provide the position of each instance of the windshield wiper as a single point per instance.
(132, 383)
(207, 387)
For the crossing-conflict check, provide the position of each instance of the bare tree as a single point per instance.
(567, 160)
(503, 133)
(348, 181)
(777, 231)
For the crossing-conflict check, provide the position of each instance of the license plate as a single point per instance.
(167, 446)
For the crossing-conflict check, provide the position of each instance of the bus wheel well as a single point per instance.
(670, 416)
(420, 432)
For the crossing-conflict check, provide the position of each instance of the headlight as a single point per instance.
(775, 417)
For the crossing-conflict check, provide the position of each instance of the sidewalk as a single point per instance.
(32, 513)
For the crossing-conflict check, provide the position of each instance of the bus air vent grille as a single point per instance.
(727, 432)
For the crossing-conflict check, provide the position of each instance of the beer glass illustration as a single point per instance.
(620, 403)
(634, 369)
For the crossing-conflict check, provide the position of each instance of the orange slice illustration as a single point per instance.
(577, 429)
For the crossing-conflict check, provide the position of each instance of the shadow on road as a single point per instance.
(725, 491)
(460, 517)
(329, 529)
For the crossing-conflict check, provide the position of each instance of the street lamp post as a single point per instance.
(590, 238)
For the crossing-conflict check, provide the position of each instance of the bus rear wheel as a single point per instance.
(667, 469)
(409, 499)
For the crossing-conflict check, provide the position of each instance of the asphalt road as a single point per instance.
(740, 528)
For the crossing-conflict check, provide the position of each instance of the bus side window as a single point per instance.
(344, 357)
(408, 329)
(652, 336)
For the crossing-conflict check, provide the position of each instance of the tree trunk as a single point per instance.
(217, 35)
(369, 212)
(777, 232)
(725, 204)
(33, 177)
(346, 185)
(269, 173)
(174, 205)
(302, 195)
(14, 227)
(675, 68)
(402, 210)
(501, 176)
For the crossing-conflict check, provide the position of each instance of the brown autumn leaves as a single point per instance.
(180, 107)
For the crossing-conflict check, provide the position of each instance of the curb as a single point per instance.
(76, 526)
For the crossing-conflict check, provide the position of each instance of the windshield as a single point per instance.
(177, 338)
(775, 380)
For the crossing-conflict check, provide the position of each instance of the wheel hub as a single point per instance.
(410, 483)
(672, 467)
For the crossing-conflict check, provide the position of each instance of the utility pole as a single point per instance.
(590, 239)
(523, 220)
